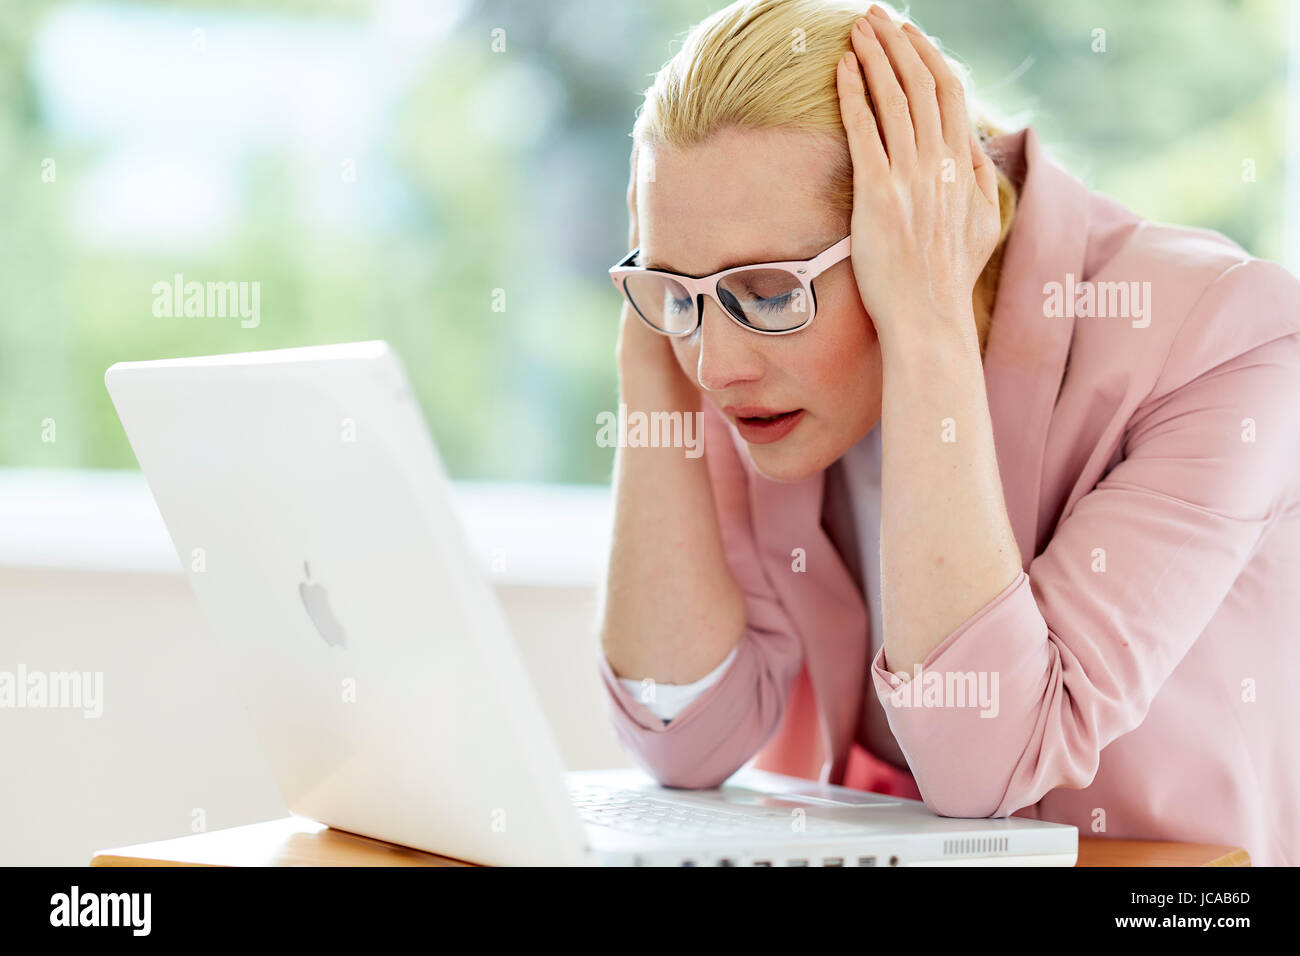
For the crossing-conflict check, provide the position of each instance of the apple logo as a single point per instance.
(317, 602)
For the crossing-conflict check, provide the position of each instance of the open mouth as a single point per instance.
(764, 419)
(762, 429)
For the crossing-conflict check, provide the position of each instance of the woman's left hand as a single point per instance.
(925, 203)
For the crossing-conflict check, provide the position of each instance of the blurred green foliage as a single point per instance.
(486, 171)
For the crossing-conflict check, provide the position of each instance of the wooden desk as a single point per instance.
(294, 841)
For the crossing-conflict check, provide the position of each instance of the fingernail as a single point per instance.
(877, 10)
(862, 25)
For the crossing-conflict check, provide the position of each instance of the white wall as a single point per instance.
(173, 737)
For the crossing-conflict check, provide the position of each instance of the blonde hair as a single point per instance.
(765, 64)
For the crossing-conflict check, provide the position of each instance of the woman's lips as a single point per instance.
(762, 426)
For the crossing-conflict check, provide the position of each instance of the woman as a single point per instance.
(1005, 517)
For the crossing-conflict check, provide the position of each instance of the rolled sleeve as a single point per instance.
(718, 731)
(957, 753)
(667, 701)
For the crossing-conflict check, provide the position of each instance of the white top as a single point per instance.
(861, 465)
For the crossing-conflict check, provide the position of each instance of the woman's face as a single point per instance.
(760, 196)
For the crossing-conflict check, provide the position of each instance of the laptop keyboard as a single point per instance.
(636, 811)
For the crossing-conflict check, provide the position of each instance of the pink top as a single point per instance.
(1147, 655)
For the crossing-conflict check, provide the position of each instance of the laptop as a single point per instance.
(313, 518)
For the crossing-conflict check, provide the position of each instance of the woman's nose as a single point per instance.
(728, 354)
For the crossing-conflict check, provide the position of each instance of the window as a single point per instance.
(450, 176)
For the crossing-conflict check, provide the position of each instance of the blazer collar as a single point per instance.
(1024, 362)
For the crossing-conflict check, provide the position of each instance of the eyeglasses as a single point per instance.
(772, 298)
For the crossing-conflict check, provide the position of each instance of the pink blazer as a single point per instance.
(1148, 653)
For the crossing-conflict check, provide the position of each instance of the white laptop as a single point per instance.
(312, 515)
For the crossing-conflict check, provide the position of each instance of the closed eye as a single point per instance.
(776, 303)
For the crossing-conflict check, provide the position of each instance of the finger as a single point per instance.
(949, 93)
(891, 103)
(917, 82)
(865, 147)
(986, 177)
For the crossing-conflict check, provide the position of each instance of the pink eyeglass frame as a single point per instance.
(805, 270)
